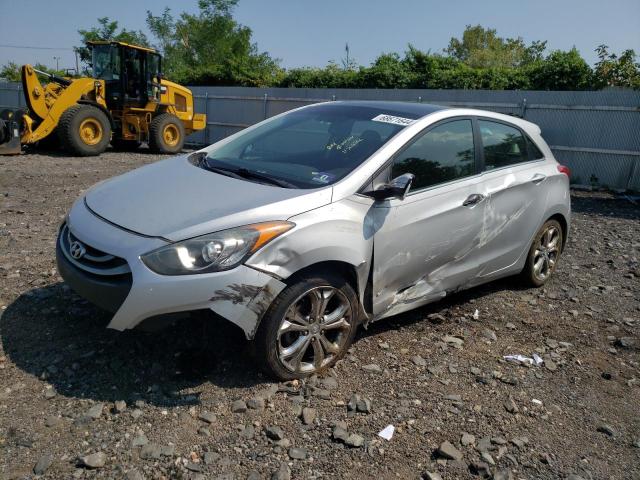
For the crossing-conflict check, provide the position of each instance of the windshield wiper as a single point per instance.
(245, 173)
(227, 172)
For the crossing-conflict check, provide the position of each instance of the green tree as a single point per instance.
(614, 71)
(561, 70)
(331, 76)
(11, 71)
(388, 71)
(211, 47)
(107, 30)
(482, 47)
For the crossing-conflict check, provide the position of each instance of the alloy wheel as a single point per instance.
(314, 329)
(546, 253)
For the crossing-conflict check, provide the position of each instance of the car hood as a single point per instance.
(175, 200)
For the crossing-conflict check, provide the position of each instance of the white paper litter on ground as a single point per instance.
(387, 432)
(476, 314)
(536, 360)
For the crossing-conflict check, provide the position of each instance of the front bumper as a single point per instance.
(109, 293)
(241, 295)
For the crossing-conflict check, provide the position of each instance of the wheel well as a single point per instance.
(563, 223)
(344, 269)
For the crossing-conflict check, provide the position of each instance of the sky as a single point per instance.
(312, 32)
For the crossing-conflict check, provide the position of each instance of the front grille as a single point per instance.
(88, 258)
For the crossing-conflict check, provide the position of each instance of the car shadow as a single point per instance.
(457, 299)
(55, 335)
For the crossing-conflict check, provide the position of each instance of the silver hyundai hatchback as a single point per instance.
(307, 225)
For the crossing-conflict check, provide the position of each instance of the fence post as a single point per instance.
(632, 173)
(265, 105)
(523, 108)
(206, 114)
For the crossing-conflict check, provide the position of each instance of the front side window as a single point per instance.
(153, 67)
(105, 62)
(503, 145)
(132, 71)
(312, 147)
(442, 154)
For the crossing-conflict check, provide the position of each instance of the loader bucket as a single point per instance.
(10, 130)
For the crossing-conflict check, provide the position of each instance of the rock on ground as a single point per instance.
(57, 362)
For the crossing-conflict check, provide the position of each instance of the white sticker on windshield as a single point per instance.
(393, 119)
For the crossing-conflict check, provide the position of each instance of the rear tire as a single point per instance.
(322, 338)
(166, 134)
(84, 130)
(543, 255)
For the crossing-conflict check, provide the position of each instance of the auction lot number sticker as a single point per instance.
(393, 119)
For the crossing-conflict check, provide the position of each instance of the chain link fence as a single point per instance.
(596, 134)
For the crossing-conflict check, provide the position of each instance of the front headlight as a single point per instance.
(213, 252)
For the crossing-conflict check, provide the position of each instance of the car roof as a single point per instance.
(409, 108)
(419, 110)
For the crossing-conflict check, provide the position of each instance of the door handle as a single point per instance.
(473, 199)
(538, 178)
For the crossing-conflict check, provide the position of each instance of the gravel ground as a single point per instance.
(80, 401)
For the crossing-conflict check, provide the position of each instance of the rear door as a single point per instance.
(427, 243)
(513, 183)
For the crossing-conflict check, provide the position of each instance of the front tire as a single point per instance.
(166, 134)
(84, 130)
(308, 328)
(544, 254)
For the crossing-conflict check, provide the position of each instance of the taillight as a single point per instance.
(564, 169)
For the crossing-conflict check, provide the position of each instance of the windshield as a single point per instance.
(106, 62)
(312, 147)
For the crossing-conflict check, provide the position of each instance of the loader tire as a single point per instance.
(84, 131)
(166, 134)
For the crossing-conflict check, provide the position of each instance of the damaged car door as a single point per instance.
(515, 182)
(426, 244)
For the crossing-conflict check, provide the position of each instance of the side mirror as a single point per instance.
(397, 188)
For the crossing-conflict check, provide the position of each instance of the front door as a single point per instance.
(426, 244)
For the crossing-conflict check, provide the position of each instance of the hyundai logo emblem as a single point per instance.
(77, 250)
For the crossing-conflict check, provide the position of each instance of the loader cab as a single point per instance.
(132, 74)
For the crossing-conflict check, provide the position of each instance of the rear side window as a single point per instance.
(534, 151)
(442, 154)
(503, 145)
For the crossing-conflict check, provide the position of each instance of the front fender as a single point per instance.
(334, 232)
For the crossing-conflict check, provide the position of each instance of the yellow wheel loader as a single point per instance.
(127, 102)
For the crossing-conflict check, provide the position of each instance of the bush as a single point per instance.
(561, 71)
